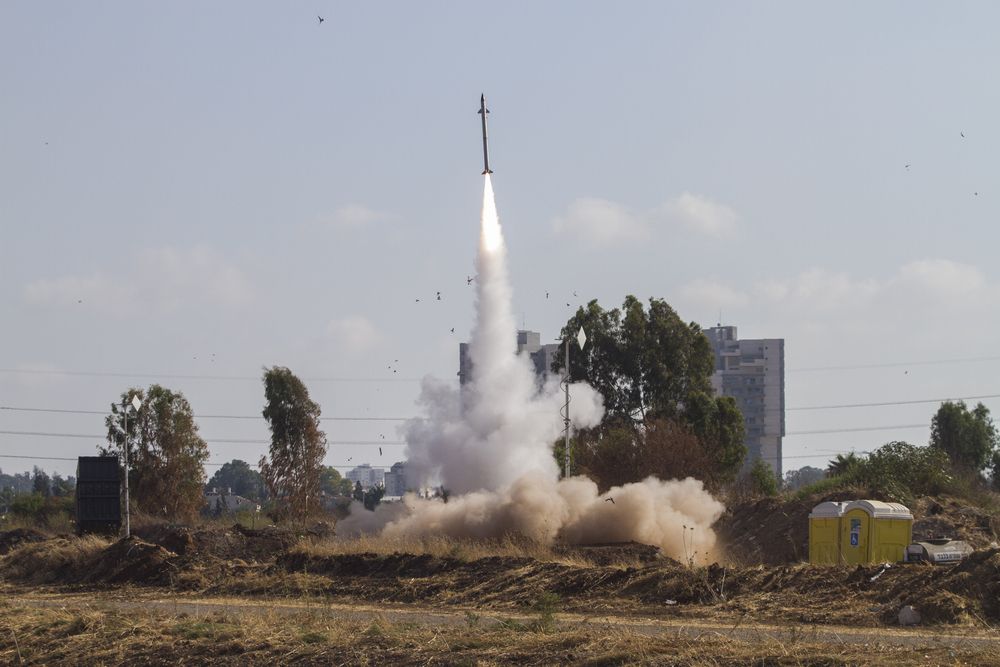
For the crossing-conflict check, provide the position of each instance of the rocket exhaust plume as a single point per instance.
(489, 443)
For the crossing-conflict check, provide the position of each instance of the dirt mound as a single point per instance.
(11, 539)
(224, 543)
(612, 553)
(954, 518)
(131, 561)
(775, 531)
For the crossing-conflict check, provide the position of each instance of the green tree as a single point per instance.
(240, 477)
(373, 496)
(643, 363)
(333, 483)
(40, 483)
(763, 481)
(63, 487)
(843, 464)
(166, 453)
(796, 479)
(967, 436)
(653, 372)
(298, 446)
(995, 470)
(901, 471)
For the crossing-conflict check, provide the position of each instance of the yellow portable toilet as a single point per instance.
(874, 532)
(824, 533)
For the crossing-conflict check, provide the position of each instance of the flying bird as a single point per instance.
(906, 166)
(610, 500)
(439, 296)
(546, 295)
(468, 280)
(380, 451)
(321, 19)
(453, 329)
(962, 134)
(418, 301)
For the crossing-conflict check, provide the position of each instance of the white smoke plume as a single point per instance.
(489, 443)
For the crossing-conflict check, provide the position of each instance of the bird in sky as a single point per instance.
(453, 329)
(962, 134)
(574, 292)
(439, 296)
(380, 451)
(906, 166)
(546, 295)
(418, 301)
(321, 19)
(468, 280)
(610, 500)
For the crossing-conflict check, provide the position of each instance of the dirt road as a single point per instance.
(740, 629)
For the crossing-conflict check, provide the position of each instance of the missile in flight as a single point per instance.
(486, 144)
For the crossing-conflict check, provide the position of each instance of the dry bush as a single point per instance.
(45, 562)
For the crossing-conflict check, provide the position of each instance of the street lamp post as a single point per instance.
(135, 403)
(581, 339)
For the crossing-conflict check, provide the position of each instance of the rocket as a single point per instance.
(486, 145)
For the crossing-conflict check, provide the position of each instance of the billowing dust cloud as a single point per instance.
(489, 443)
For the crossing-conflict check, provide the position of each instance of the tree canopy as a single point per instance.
(166, 453)
(969, 437)
(240, 478)
(661, 417)
(293, 471)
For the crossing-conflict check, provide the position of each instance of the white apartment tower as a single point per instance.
(752, 371)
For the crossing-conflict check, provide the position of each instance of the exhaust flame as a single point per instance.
(489, 443)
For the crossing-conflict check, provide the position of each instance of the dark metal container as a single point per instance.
(98, 495)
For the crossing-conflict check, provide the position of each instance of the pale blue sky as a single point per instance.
(183, 179)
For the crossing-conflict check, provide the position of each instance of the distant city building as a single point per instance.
(222, 500)
(752, 371)
(395, 479)
(529, 342)
(367, 475)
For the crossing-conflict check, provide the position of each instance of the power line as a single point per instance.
(105, 412)
(256, 378)
(858, 430)
(208, 440)
(207, 463)
(889, 403)
(175, 376)
(893, 364)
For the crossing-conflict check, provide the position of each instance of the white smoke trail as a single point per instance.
(490, 444)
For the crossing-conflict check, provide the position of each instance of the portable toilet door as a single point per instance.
(855, 534)
(875, 532)
(892, 532)
(824, 533)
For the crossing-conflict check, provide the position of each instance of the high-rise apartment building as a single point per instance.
(529, 342)
(395, 479)
(367, 475)
(752, 371)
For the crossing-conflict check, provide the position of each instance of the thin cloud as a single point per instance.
(160, 279)
(598, 221)
(700, 214)
(354, 216)
(601, 221)
(354, 334)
